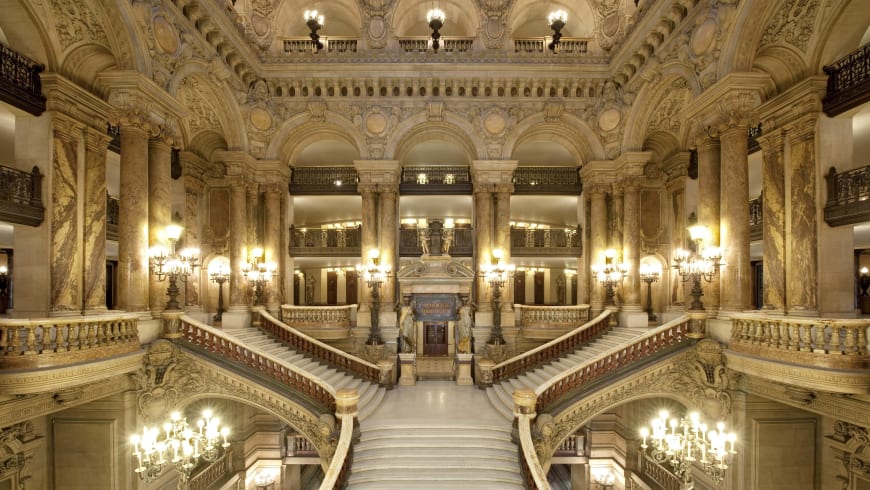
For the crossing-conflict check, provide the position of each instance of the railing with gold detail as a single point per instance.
(550, 351)
(21, 196)
(809, 342)
(650, 344)
(213, 473)
(323, 180)
(20, 84)
(547, 180)
(218, 343)
(848, 199)
(31, 343)
(848, 82)
(319, 351)
(321, 322)
(545, 322)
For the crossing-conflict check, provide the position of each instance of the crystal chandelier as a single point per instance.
(685, 442)
(178, 444)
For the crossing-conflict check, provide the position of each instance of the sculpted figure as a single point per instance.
(408, 328)
(466, 322)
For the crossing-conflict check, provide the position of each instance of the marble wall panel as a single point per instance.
(66, 271)
(773, 223)
(802, 262)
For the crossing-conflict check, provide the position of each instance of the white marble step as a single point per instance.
(437, 485)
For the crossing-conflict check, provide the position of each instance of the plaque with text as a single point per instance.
(434, 307)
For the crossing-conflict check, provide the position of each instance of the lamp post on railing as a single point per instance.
(556, 20)
(703, 264)
(174, 266)
(219, 273)
(496, 274)
(435, 17)
(258, 272)
(649, 274)
(374, 275)
(610, 274)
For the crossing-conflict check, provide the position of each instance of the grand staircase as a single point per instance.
(501, 394)
(370, 394)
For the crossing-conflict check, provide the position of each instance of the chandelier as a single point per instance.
(165, 264)
(178, 444)
(556, 20)
(703, 264)
(258, 272)
(435, 17)
(610, 274)
(315, 22)
(685, 442)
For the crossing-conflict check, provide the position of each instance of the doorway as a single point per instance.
(435, 338)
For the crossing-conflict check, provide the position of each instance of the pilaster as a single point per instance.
(94, 286)
(677, 169)
(773, 219)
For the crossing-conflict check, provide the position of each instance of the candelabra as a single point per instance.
(496, 274)
(556, 21)
(685, 442)
(649, 274)
(178, 444)
(605, 479)
(435, 18)
(703, 264)
(315, 22)
(174, 266)
(219, 273)
(4, 288)
(258, 272)
(374, 275)
(610, 274)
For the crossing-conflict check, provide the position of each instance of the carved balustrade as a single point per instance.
(848, 196)
(225, 347)
(449, 44)
(848, 82)
(756, 217)
(39, 343)
(410, 246)
(338, 472)
(299, 446)
(20, 84)
(552, 350)
(547, 180)
(657, 341)
(320, 322)
(811, 342)
(213, 473)
(567, 45)
(658, 474)
(332, 242)
(113, 214)
(319, 351)
(331, 45)
(323, 180)
(540, 322)
(535, 242)
(21, 196)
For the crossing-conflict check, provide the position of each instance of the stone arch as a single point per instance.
(662, 144)
(641, 115)
(85, 62)
(784, 64)
(225, 107)
(738, 53)
(572, 132)
(841, 35)
(300, 132)
(205, 143)
(417, 129)
(409, 18)
(24, 33)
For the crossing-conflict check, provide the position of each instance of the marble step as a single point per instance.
(436, 485)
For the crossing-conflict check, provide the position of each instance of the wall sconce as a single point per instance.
(435, 17)
(556, 21)
(315, 22)
(219, 272)
(610, 274)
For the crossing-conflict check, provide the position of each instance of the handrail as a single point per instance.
(217, 342)
(532, 470)
(659, 474)
(339, 468)
(319, 350)
(213, 473)
(320, 316)
(820, 342)
(654, 341)
(43, 342)
(551, 316)
(553, 349)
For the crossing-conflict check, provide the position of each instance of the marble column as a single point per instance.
(368, 235)
(735, 278)
(631, 242)
(133, 221)
(583, 260)
(677, 170)
(193, 192)
(94, 287)
(598, 230)
(66, 244)
(617, 217)
(238, 287)
(773, 219)
(389, 237)
(254, 217)
(483, 243)
(159, 212)
(502, 236)
(272, 241)
(802, 258)
(709, 185)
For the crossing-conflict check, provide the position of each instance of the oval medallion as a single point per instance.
(165, 35)
(703, 37)
(609, 119)
(260, 119)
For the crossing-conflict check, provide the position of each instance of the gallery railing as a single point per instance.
(21, 196)
(756, 216)
(323, 180)
(434, 179)
(848, 82)
(848, 199)
(542, 322)
(20, 84)
(331, 44)
(449, 44)
(332, 242)
(535, 242)
(113, 215)
(320, 322)
(547, 180)
(410, 246)
(567, 45)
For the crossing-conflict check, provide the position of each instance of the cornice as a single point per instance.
(803, 98)
(753, 88)
(134, 87)
(64, 96)
(598, 172)
(834, 405)
(850, 381)
(29, 382)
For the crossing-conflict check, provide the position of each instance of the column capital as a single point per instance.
(803, 98)
(597, 190)
(96, 140)
(804, 128)
(193, 165)
(772, 141)
(66, 128)
(238, 163)
(495, 172)
(379, 172)
(598, 171)
(66, 97)
(133, 92)
(677, 166)
(730, 100)
(632, 163)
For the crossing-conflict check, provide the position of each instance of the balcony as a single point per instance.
(547, 180)
(21, 196)
(848, 196)
(432, 179)
(323, 181)
(848, 82)
(546, 242)
(20, 84)
(325, 242)
(449, 44)
(411, 246)
(572, 46)
(331, 45)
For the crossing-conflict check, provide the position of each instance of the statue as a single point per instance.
(466, 322)
(408, 328)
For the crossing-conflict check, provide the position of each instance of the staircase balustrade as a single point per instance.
(659, 475)
(551, 316)
(322, 352)
(213, 473)
(39, 343)
(534, 477)
(322, 322)
(608, 362)
(816, 342)
(218, 343)
(339, 468)
(552, 350)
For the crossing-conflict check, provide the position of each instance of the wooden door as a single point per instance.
(539, 288)
(297, 290)
(436, 339)
(351, 287)
(520, 287)
(331, 287)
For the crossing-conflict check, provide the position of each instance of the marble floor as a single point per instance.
(436, 403)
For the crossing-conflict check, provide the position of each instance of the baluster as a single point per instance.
(805, 338)
(757, 332)
(851, 341)
(836, 347)
(861, 348)
(818, 331)
(62, 338)
(30, 345)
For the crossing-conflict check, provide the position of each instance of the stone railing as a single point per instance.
(20, 84)
(323, 180)
(331, 44)
(547, 180)
(449, 44)
(32, 343)
(298, 445)
(546, 241)
(567, 45)
(320, 322)
(848, 196)
(220, 344)
(809, 342)
(539, 322)
(332, 242)
(848, 82)
(756, 218)
(21, 196)
(213, 473)
(339, 468)
(319, 351)
(656, 341)
(533, 474)
(658, 474)
(548, 352)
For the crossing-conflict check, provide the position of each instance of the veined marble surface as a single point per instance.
(436, 402)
